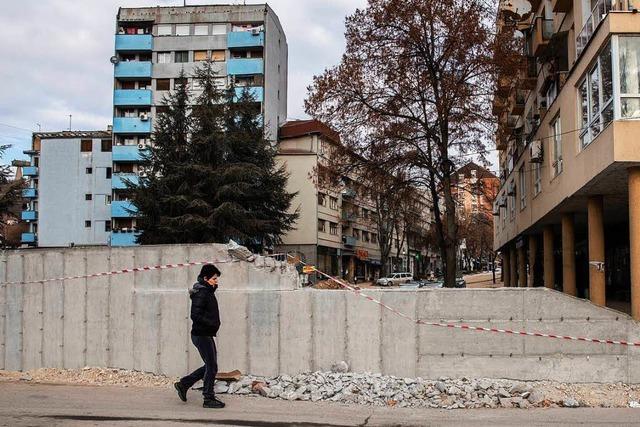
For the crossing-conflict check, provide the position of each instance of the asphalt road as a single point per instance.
(26, 404)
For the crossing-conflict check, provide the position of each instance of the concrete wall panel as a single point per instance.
(363, 334)
(547, 304)
(32, 311)
(471, 304)
(174, 323)
(263, 312)
(98, 260)
(121, 319)
(75, 326)
(329, 328)
(13, 319)
(399, 335)
(53, 311)
(296, 347)
(146, 344)
(232, 338)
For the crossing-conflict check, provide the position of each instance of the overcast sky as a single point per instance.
(56, 59)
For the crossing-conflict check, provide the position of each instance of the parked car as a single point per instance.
(394, 279)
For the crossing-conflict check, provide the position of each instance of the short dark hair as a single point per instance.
(208, 271)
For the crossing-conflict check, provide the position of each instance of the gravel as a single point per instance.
(371, 389)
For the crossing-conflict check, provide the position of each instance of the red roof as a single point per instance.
(298, 128)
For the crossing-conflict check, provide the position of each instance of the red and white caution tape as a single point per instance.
(123, 271)
(474, 328)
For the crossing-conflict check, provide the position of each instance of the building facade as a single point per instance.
(336, 230)
(68, 196)
(154, 44)
(567, 214)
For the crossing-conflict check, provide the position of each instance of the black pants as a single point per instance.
(207, 348)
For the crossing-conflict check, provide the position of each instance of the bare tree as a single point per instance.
(416, 82)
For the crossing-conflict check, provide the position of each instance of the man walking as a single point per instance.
(206, 322)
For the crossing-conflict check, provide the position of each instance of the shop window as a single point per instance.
(86, 145)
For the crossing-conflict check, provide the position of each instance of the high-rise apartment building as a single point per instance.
(568, 210)
(154, 44)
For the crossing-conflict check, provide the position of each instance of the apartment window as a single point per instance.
(88, 171)
(333, 203)
(333, 228)
(128, 85)
(87, 224)
(182, 56)
(365, 236)
(523, 187)
(596, 98)
(108, 173)
(164, 57)
(199, 55)
(182, 30)
(374, 237)
(365, 213)
(356, 234)
(512, 207)
(107, 226)
(218, 29)
(201, 30)
(629, 53)
(164, 30)
(86, 145)
(107, 199)
(322, 200)
(537, 179)
(162, 109)
(557, 147)
(105, 145)
(220, 82)
(180, 81)
(218, 55)
(196, 84)
(322, 225)
(163, 84)
(88, 196)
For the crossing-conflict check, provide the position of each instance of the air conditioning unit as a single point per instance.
(255, 31)
(142, 145)
(144, 117)
(535, 151)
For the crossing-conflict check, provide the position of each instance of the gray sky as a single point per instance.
(56, 59)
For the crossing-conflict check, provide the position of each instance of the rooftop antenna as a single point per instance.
(70, 122)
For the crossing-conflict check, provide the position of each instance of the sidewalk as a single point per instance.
(23, 404)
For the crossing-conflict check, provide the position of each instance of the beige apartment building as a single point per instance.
(335, 230)
(567, 215)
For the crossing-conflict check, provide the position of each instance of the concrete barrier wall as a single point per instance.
(270, 326)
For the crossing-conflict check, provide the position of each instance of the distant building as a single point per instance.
(335, 230)
(152, 46)
(68, 197)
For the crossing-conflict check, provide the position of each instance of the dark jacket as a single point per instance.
(204, 310)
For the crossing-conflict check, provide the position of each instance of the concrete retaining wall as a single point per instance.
(269, 326)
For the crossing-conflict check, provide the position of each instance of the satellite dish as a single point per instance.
(114, 60)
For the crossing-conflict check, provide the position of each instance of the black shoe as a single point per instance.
(213, 403)
(182, 391)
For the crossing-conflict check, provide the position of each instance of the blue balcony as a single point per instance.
(126, 153)
(238, 39)
(30, 171)
(123, 209)
(349, 240)
(245, 66)
(28, 238)
(133, 69)
(134, 42)
(257, 92)
(29, 215)
(118, 181)
(30, 193)
(123, 238)
(123, 97)
(131, 125)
